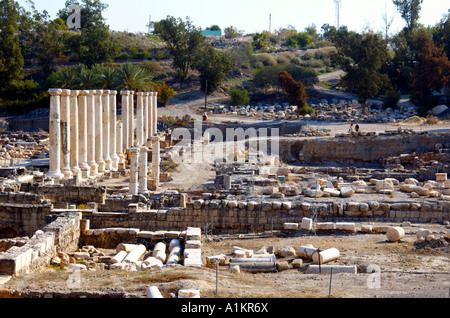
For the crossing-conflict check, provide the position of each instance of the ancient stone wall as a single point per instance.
(68, 194)
(364, 149)
(24, 219)
(232, 217)
(61, 235)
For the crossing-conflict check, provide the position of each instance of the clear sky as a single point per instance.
(253, 15)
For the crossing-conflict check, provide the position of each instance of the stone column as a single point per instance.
(156, 160)
(134, 172)
(74, 135)
(143, 170)
(82, 127)
(120, 152)
(113, 130)
(146, 110)
(99, 132)
(131, 120)
(65, 133)
(155, 114)
(55, 135)
(91, 133)
(125, 112)
(150, 115)
(106, 131)
(140, 119)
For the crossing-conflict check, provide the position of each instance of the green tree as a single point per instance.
(93, 44)
(231, 32)
(239, 97)
(213, 67)
(11, 59)
(364, 58)
(441, 34)
(44, 40)
(267, 77)
(300, 40)
(214, 27)
(312, 32)
(410, 11)
(184, 42)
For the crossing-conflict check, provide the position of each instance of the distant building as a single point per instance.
(212, 33)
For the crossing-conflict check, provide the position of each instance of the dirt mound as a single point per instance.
(415, 120)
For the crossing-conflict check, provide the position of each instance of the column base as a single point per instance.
(115, 163)
(101, 166)
(67, 172)
(85, 172)
(76, 171)
(108, 164)
(55, 175)
(93, 169)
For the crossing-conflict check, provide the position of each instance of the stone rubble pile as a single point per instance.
(22, 146)
(334, 111)
(426, 238)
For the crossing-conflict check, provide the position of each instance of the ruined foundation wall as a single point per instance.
(25, 219)
(69, 194)
(61, 235)
(365, 149)
(232, 217)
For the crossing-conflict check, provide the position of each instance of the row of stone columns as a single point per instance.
(87, 140)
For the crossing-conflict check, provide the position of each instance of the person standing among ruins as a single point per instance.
(351, 129)
(357, 128)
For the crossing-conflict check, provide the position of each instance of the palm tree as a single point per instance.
(64, 78)
(85, 78)
(131, 77)
(105, 75)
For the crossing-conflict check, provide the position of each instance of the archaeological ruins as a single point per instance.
(104, 178)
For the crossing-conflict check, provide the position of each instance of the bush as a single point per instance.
(306, 110)
(239, 97)
(432, 120)
(391, 99)
(260, 60)
(165, 93)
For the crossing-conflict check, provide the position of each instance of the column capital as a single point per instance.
(66, 92)
(83, 93)
(98, 92)
(55, 91)
(125, 93)
(106, 92)
(75, 93)
(113, 92)
(140, 93)
(134, 150)
(156, 139)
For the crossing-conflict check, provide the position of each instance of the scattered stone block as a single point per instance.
(347, 192)
(395, 234)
